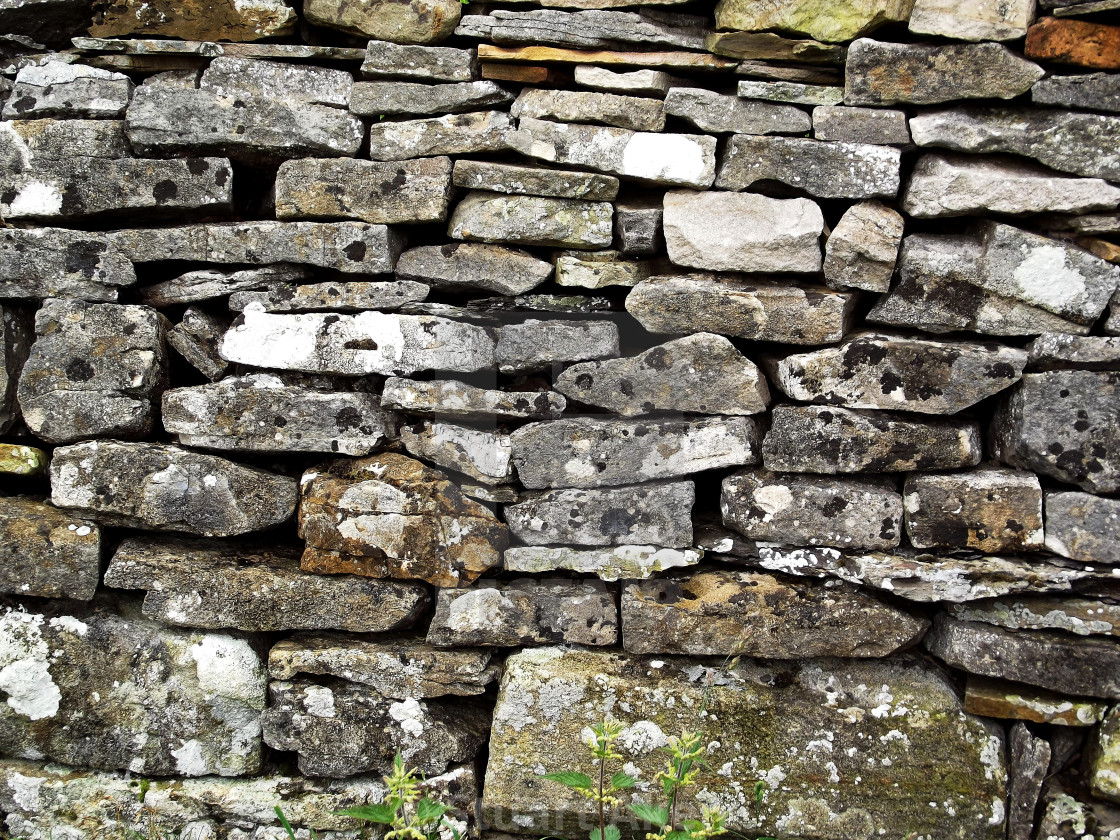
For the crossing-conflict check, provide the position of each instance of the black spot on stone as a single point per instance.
(360, 344)
(355, 251)
(239, 129)
(1081, 425)
(84, 257)
(834, 506)
(625, 387)
(165, 191)
(238, 103)
(1014, 526)
(585, 380)
(1055, 448)
(24, 104)
(657, 358)
(197, 166)
(1063, 393)
(334, 446)
(1000, 370)
(348, 418)
(280, 422)
(129, 329)
(331, 319)
(221, 177)
(890, 381)
(449, 248)
(616, 522)
(864, 353)
(79, 370)
(238, 320)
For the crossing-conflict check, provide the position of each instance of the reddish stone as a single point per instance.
(1075, 42)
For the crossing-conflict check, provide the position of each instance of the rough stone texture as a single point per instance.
(480, 454)
(1030, 761)
(727, 232)
(637, 82)
(823, 170)
(772, 712)
(725, 613)
(22, 460)
(347, 296)
(454, 134)
(429, 64)
(94, 371)
(391, 516)
(1104, 758)
(183, 703)
(1055, 351)
(395, 667)
(638, 226)
(969, 20)
(770, 47)
(861, 251)
(341, 729)
(534, 180)
(812, 510)
(752, 309)
(1081, 616)
(230, 76)
(635, 113)
(600, 269)
(56, 89)
(527, 611)
(591, 452)
(209, 283)
(16, 337)
(196, 339)
(837, 440)
(874, 126)
(1067, 817)
(994, 698)
(532, 220)
(1083, 527)
(535, 345)
(54, 262)
(622, 562)
(713, 112)
(1095, 91)
(886, 371)
(458, 399)
(1063, 424)
(412, 99)
(215, 585)
(412, 22)
(591, 28)
(492, 268)
(991, 510)
(47, 553)
(382, 193)
(824, 21)
(1080, 42)
(790, 91)
(50, 21)
(194, 20)
(165, 488)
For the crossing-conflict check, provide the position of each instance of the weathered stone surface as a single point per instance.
(165, 488)
(57, 89)
(16, 336)
(429, 64)
(726, 613)
(670, 60)
(686, 160)
(196, 338)
(878, 73)
(769, 716)
(46, 552)
(1060, 662)
(1067, 817)
(1104, 758)
(195, 21)
(862, 249)
(481, 454)
(956, 185)
(600, 269)
(527, 611)
(1081, 616)
(347, 296)
(374, 99)
(1063, 424)
(796, 92)
(591, 28)
(1081, 42)
(287, 82)
(488, 267)
(886, 371)
(874, 126)
(51, 21)
(454, 134)
(341, 729)
(167, 121)
(812, 510)
(391, 516)
(994, 698)
(620, 562)
(1030, 761)
(411, 22)
(972, 21)
(824, 170)
(823, 21)
(397, 667)
(1083, 527)
(727, 232)
(382, 193)
(22, 460)
(771, 47)
(535, 345)
(758, 310)
(837, 440)
(356, 345)
(631, 112)
(635, 82)
(638, 226)
(94, 371)
(458, 399)
(208, 283)
(1056, 351)
(532, 220)
(533, 180)
(588, 452)
(182, 703)
(991, 510)
(713, 112)
(1092, 91)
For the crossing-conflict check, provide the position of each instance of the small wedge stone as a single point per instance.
(491, 268)
(1056, 351)
(196, 338)
(532, 180)
(457, 399)
(1080, 616)
(57, 89)
(413, 99)
(477, 453)
(347, 296)
(532, 220)
(16, 459)
(638, 226)
(993, 698)
(209, 283)
(862, 249)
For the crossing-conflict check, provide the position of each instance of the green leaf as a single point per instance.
(284, 822)
(568, 778)
(759, 791)
(653, 814)
(678, 835)
(428, 809)
(669, 785)
(384, 814)
(612, 833)
(622, 781)
(692, 826)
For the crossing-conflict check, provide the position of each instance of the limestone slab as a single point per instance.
(531, 220)
(414, 99)
(455, 134)
(486, 267)
(610, 563)
(412, 22)
(481, 454)
(47, 552)
(862, 249)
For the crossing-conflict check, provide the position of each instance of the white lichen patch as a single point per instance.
(25, 659)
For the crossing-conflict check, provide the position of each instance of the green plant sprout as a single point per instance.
(409, 814)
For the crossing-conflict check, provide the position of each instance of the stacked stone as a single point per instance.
(404, 378)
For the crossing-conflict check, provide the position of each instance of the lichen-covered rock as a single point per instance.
(713, 112)
(478, 453)
(1096, 91)
(968, 21)
(592, 452)
(453, 134)
(1066, 817)
(347, 296)
(1015, 701)
(610, 563)
(413, 99)
(54, 262)
(534, 180)
(824, 21)
(46, 552)
(532, 220)
(195, 20)
(21, 460)
(535, 345)
(16, 337)
(230, 76)
(111, 693)
(1081, 616)
(491, 268)
(428, 64)
(635, 113)
(873, 126)
(724, 613)
(458, 399)
(57, 89)
(411, 22)
(1083, 526)
(390, 516)
(1057, 351)
(209, 283)
(1030, 763)
(599, 269)
(862, 249)
(196, 338)
(526, 611)
(1104, 758)
(802, 94)
(789, 724)
(94, 370)
(165, 488)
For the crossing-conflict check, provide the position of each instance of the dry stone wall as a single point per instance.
(422, 377)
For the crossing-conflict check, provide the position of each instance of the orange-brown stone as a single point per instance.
(1077, 42)
(193, 20)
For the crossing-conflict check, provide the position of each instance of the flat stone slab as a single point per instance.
(610, 563)
(1083, 526)
(532, 220)
(874, 126)
(1058, 351)
(196, 21)
(422, 63)
(585, 106)
(347, 296)
(589, 28)
(58, 89)
(1080, 616)
(480, 454)
(47, 552)
(1097, 91)
(767, 46)
(232, 76)
(995, 698)
(458, 399)
(534, 180)
(210, 283)
(968, 22)
(1104, 758)
(862, 249)
(720, 114)
(492, 268)
(413, 99)
(454, 134)
(55, 262)
(414, 22)
(536, 345)
(791, 91)
(812, 18)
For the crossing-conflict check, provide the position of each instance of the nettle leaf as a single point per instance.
(759, 791)
(428, 809)
(612, 833)
(653, 814)
(383, 814)
(622, 781)
(571, 779)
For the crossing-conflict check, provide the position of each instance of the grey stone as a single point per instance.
(771, 47)
(1104, 758)
(635, 82)
(17, 333)
(1083, 527)
(535, 345)
(283, 81)
(638, 227)
(46, 552)
(196, 338)
(959, 185)
(165, 488)
(1063, 814)
(1030, 761)
(356, 345)
(1063, 424)
(1056, 351)
(533, 180)
(988, 509)
(591, 28)
(1092, 91)
(532, 220)
(491, 268)
(429, 64)
(812, 510)
(862, 249)
(212, 585)
(1080, 616)
(341, 729)
(383, 193)
(413, 99)
(174, 79)
(589, 452)
(838, 440)
(757, 310)
(878, 73)
(1089, 223)
(795, 92)
(209, 20)
(250, 129)
(411, 22)
(886, 371)
(715, 113)
(258, 413)
(209, 283)
(611, 563)
(183, 703)
(397, 667)
(58, 89)
(583, 106)
(526, 611)
(1057, 661)
(875, 126)
(686, 160)
(347, 296)
(725, 613)
(824, 170)
(94, 370)
(600, 269)
(29, 144)
(822, 21)
(701, 373)
(1015, 701)
(480, 454)
(454, 134)
(458, 399)
(654, 514)
(973, 22)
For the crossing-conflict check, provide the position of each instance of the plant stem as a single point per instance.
(602, 815)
